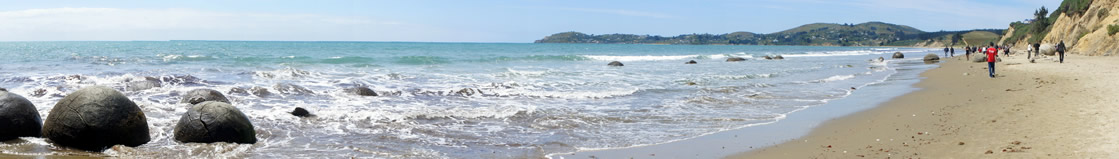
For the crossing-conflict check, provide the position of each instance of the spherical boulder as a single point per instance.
(615, 63)
(880, 59)
(95, 118)
(201, 95)
(931, 57)
(735, 59)
(778, 57)
(300, 112)
(211, 121)
(898, 55)
(361, 91)
(767, 57)
(691, 62)
(18, 117)
(979, 58)
(147, 83)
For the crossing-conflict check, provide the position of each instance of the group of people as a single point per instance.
(992, 53)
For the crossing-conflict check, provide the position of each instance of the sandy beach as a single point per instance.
(1031, 110)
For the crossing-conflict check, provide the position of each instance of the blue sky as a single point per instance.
(473, 21)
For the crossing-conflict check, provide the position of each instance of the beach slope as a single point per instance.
(1031, 110)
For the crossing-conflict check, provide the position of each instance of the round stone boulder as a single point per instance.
(980, 58)
(898, 55)
(931, 57)
(691, 62)
(778, 57)
(735, 59)
(300, 112)
(615, 63)
(95, 118)
(361, 91)
(211, 121)
(201, 95)
(18, 117)
(767, 57)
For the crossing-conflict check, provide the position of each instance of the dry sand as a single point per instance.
(1031, 110)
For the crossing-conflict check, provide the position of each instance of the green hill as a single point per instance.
(819, 34)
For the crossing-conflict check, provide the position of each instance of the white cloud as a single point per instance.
(187, 24)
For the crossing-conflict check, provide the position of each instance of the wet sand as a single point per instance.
(1031, 110)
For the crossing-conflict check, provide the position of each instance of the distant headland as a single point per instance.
(817, 34)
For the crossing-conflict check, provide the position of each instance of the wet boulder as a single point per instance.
(201, 95)
(18, 117)
(300, 112)
(690, 62)
(615, 63)
(767, 57)
(898, 55)
(735, 59)
(287, 88)
(778, 57)
(211, 121)
(880, 59)
(931, 57)
(361, 91)
(95, 118)
(147, 83)
(255, 90)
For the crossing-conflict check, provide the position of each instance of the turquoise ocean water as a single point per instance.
(447, 100)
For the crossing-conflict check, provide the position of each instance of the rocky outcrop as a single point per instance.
(898, 55)
(18, 117)
(211, 121)
(255, 90)
(361, 91)
(735, 59)
(201, 95)
(95, 118)
(615, 63)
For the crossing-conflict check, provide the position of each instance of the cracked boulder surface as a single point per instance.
(95, 118)
(201, 95)
(211, 121)
(18, 117)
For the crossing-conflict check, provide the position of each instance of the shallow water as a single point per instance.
(444, 100)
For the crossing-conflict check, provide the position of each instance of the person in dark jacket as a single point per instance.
(1061, 50)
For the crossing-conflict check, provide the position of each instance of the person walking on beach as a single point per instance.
(1029, 50)
(1006, 50)
(1061, 50)
(1037, 49)
(967, 53)
(953, 51)
(992, 52)
(945, 51)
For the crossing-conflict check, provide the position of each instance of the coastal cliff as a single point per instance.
(1084, 29)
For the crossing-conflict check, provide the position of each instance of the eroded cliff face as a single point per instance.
(1087, 34)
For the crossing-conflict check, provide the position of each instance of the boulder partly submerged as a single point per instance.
(18, 117)
(361, 91)
(735, 59)
(691, 62)
(95, 118)
(300, 112)
(778, 57)
(898, 55)
(201, 95)
(931, 57)
(615, 63)
(211, 121)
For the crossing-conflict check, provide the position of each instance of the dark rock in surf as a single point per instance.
(735, 59)
(147, 83)
(18, 117)
(615, 63)
(255, 90)
(95, 118)
(898, 55)
(286, 88)
(201, 95)
(211, 121)
(778, 57)
(690, 62)
(932, 57)
(300, 112)
(361, 91)
(880, 59)
(767, 57)
(468, 92)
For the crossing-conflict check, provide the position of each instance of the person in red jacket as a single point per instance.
(992, 53)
